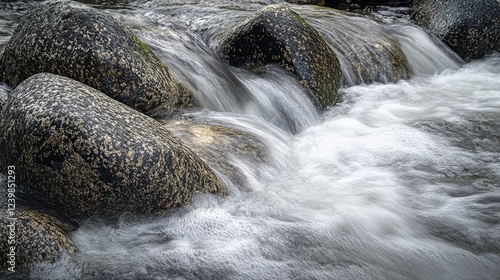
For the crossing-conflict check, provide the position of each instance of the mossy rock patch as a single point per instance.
(79, 42)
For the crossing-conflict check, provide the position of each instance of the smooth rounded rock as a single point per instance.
(33, 236)
(87, 154)
(276, 34)
(79, 42)
(470, 28)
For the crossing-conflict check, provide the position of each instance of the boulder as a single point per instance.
(470, 28)
(87, 154)
(276, 34)
(77, 41)
(35, 236)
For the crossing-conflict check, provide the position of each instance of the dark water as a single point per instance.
(397, 181)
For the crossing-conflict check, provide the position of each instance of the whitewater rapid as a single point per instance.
(396, 181)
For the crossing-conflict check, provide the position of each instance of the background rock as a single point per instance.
(470, 28)
(87, 154)
(276, 34)
(76, 41)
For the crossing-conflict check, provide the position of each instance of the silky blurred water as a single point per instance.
(397, 181)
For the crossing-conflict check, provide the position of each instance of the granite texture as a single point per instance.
(470, 28)
(79, 42)
(87, 154)
(38, 237)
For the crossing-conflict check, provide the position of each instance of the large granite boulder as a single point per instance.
(276, 34)
(87, 154)
(470, 28)
(76, 41)
(31, 237)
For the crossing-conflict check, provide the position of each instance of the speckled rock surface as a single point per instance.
(470, 28)
(87, 154)
(76, 41)
(38, 237)
(276, 34)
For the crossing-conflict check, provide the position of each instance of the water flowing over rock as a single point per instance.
(308, 2)
(470, 28)
(352, 3)
(38, 237)
(219, 145)
(367, 50)
(276, 34)
(88, 154)
(76, 41)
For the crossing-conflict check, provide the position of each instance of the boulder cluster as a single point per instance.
(79, 125)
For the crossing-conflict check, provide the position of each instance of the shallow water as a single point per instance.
(396, 181)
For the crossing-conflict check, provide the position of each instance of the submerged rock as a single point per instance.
(87, 154)
(366, 49)
(38, 237)
(220, 146)
(470, 28)
(76, 41)
(276, 34)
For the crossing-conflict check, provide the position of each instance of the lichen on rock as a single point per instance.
(38, 237)
(79, 42)
(87, 154)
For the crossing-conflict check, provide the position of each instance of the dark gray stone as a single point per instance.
(76, 41)
(38, 237)
(87, 154)
(276, 34)
(470, 28)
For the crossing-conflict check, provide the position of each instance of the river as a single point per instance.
(396, 181)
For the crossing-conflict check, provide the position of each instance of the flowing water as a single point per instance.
(396, 181)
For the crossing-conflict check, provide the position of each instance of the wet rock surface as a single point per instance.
(276, 34)
(470, 28)
(366, 49)
(76, 41)
(38, 237)
(219, 146)
(87, 154)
